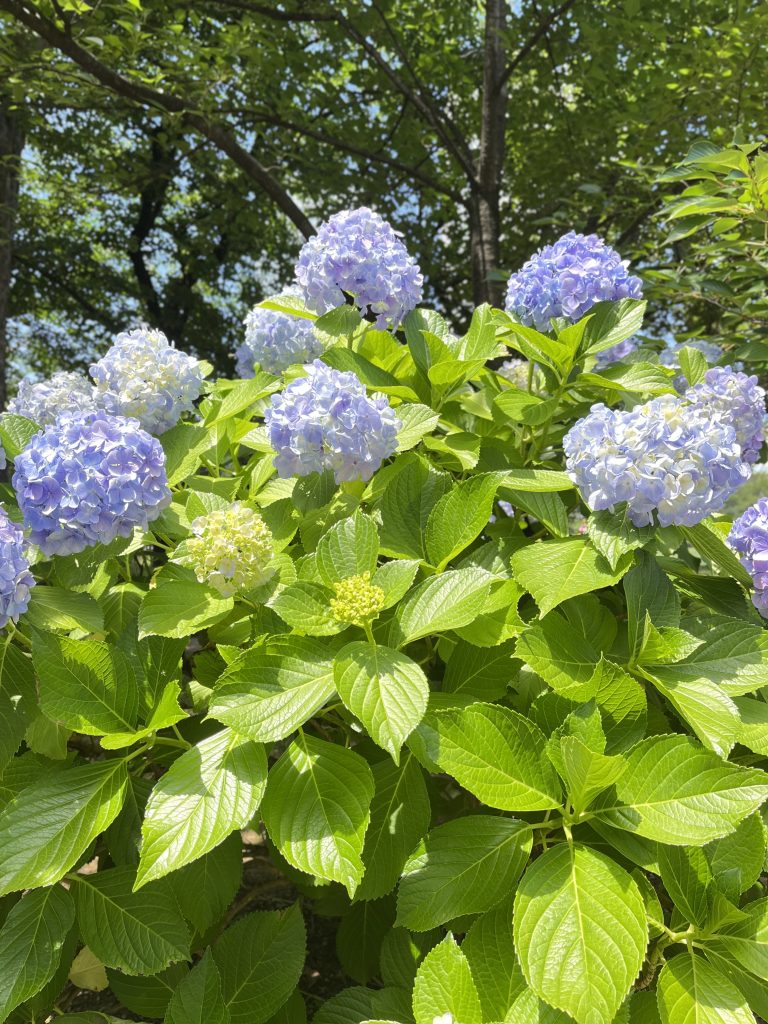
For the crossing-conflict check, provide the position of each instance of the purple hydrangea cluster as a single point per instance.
(749, 539)
(143, 376)
(16, 580)
(738, 399)
(667, 456)
(566, 279)
(87, 479)
(357, 253)
(275, 341)
(326, 421)
(43, 401)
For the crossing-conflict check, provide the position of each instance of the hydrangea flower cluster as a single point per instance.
(616, 353)
(566, 279)
(16, 580)
(87, 479)
(357, 600)
(326, 421)
(738, 399)
(749, 539)
(667, 456)
(275, 341)
(231, 549)
(43, 401)
(357, 253)
(145, 377)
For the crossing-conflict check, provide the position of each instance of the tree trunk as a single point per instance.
(11, 142)
(484, 218)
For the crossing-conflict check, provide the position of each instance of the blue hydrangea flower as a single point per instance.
(275, 341)
(749, 539)
(737, 399)
(43, 401)
(566, 279)
(357, 253)
(16, 580)
(326, 421)
(616, 353)
(88, 479)
(667, 457)
(143, 376)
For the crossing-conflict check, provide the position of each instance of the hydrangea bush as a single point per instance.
(390, 687)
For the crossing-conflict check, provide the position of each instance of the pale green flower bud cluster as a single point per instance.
(357, 600)
(231, 549)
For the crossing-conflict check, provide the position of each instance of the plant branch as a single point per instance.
(534, 39)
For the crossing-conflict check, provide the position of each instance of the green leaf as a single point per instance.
(416, 421)
(463, 867)
(349, 548)
(640, 378)
(31, 943)
(360, 936)
(18, 700)
(580, 932)
(444, 985)
(386, 690)
(179, 607)
(691, 991)
(86, 685)
(206, 887)
(443, 602)
(753, 732)
(208, 792)
(69, 810)
(305, 606)
(147, 997)
(746, 939)
(489, 948)
(395, 579)
(260, 959)
(554, 570)
(536, 480)
(405, 506)
(197, 998)
(612, 322)
(15, 433)
(53, 608)
(613, 534)
(561, 655)
(400, 812)
(459, 517)
(498, 755)
(710, 543)
(317, 809)
(734, 658)
(184, 445)
(586, 772)
(136, 932)
(693, 365)
(523, 407)
(737, 860)
(481, 673)
(687, 878)
(710, 713)
(649, 594)
(678, 793)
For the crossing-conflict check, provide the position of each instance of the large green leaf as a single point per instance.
(386, 690)
(31, 943)
(69, 810)
(746, 939)
(198, 998)
(208, 792)
(463, 867)
(18, 699)
(561, 655)
(710, 713)
(555, 570)
(489, 948)
(54, 608)
(349, 548)
(692, 991)
(443, 602)
(405, 506)
(178, 607)
(317, 809)
(136, 932)
(734, 656)
(649, 593)
(147, 997)
(206, 887)
(444, 985)
(459, 517)
(580, 932)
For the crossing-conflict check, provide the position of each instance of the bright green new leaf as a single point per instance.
(349, 548)
(443, 602)
(692, 991)
(688, 879)
(746, 940)
(613, 534)
(444, 984)
(554, 570)
(55, 609)
(459, 516)
(587, 772)
(179, 607)
(489, 948)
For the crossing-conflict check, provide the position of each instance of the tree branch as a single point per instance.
(92, 311)
(526, 48)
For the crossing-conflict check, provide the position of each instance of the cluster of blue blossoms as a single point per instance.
(749, 539)
(737, 399)
(43, 401)
(274, 341)
(325, 421)
(16, 580)
(357, 253)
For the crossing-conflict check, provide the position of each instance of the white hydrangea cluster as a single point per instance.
(231, 550)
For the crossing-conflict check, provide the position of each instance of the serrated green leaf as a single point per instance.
(587, 772)
(561, 655)
(408, 499)
(612, 322)
(553, 571)
(54, 608)
(416, 420)
(305, 606)
(737, 860)
(197, 998)
(349, 548)
(179, 607)
(443, 602)
(206, 887)
(489, 948)
(614, 534)
(444, 985)
(746, 940)
(459, 516)
(147, 997)
(649, 594)
(692, 991)
(360, 936)
(687, 878)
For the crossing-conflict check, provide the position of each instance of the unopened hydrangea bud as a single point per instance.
(88, 479)
(737, 399)
(145, 377)
(357, 253)
(749, 539)
(326, 421)
(566, 279)
(275, 341)
(16, 580)
(232, 550)
(44, 401)
(357, 600)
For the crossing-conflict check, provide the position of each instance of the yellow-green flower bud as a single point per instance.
(231, 550)
(357, 600)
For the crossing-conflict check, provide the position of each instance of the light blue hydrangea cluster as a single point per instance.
(87, 479)
(667, 456)
(749, 539)
(143, 376)
(616, 353)
(566, 279)
(357, 253)
(43, 401)
(738, 399)
(326, 421)
(275, 341)
(16, 580)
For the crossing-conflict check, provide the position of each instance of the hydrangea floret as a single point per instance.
(326, 421)
(357, 253)
(749, 539)
(357, 600)
(16, 580)
(231, 549)
(739, 400)
(42, 401)
(275, 341)
(143, 376)
(88, 479)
